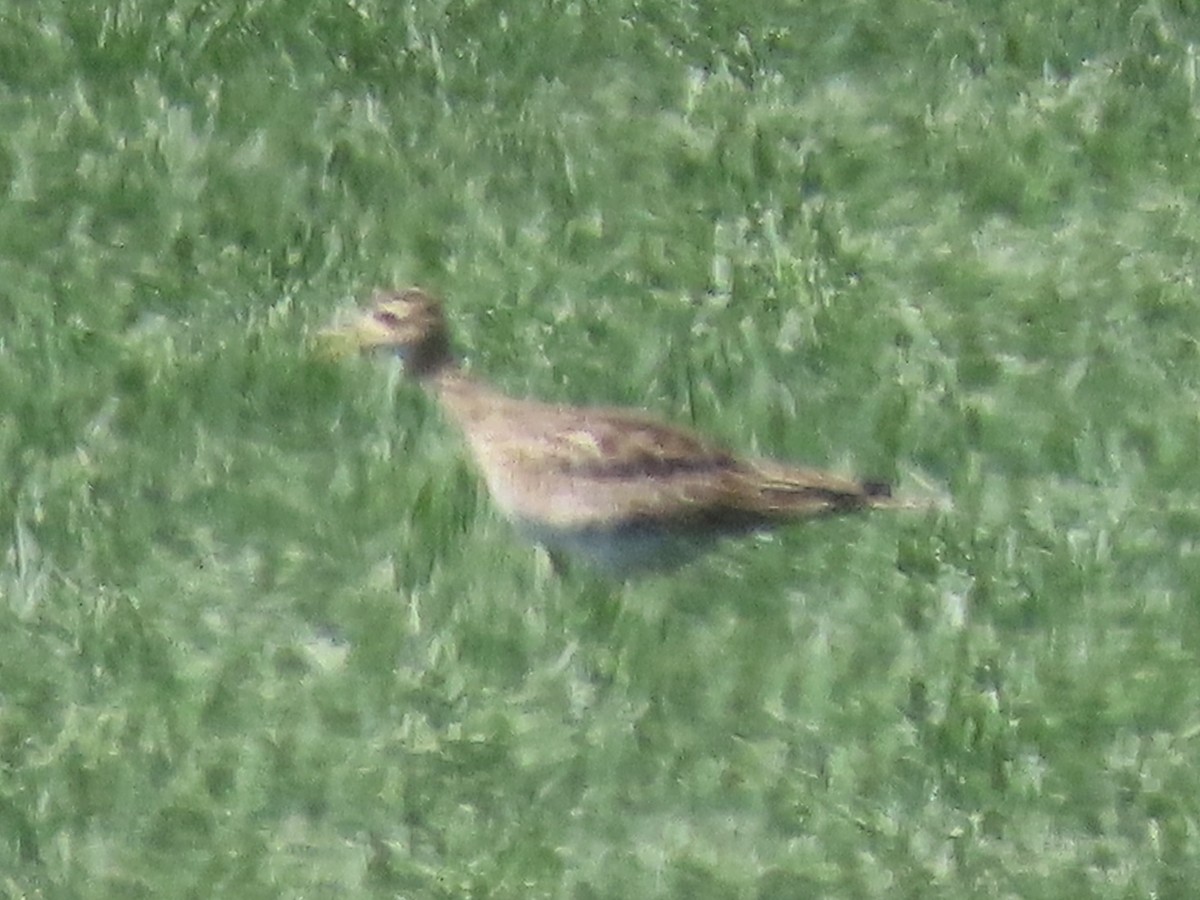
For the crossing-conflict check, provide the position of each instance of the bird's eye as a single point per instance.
(389, 319)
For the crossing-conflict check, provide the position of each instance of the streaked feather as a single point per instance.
(616, 486)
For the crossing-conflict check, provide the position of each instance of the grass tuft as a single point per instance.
(261, 633)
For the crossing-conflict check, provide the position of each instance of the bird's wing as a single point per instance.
(578, 467)
(602, 445)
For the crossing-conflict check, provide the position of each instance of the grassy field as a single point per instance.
(261, 634)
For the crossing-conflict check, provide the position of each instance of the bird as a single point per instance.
(620, 489)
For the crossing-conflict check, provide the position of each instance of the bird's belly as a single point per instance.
(623, 549)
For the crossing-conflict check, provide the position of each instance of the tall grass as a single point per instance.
(261, 633)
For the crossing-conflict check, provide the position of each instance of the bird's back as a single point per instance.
(586, 467)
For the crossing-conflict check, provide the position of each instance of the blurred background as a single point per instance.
(261, 634)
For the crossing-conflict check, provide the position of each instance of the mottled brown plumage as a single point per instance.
(616, 486)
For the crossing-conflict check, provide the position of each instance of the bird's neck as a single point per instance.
(451, 384)
(470, 403)
(431, 357)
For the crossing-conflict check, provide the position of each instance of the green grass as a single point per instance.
(261, 634)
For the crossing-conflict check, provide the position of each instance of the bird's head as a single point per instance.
(408, 322)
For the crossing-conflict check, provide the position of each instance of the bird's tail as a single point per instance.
(794, 492)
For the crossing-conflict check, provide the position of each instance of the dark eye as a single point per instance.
(390, 319)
